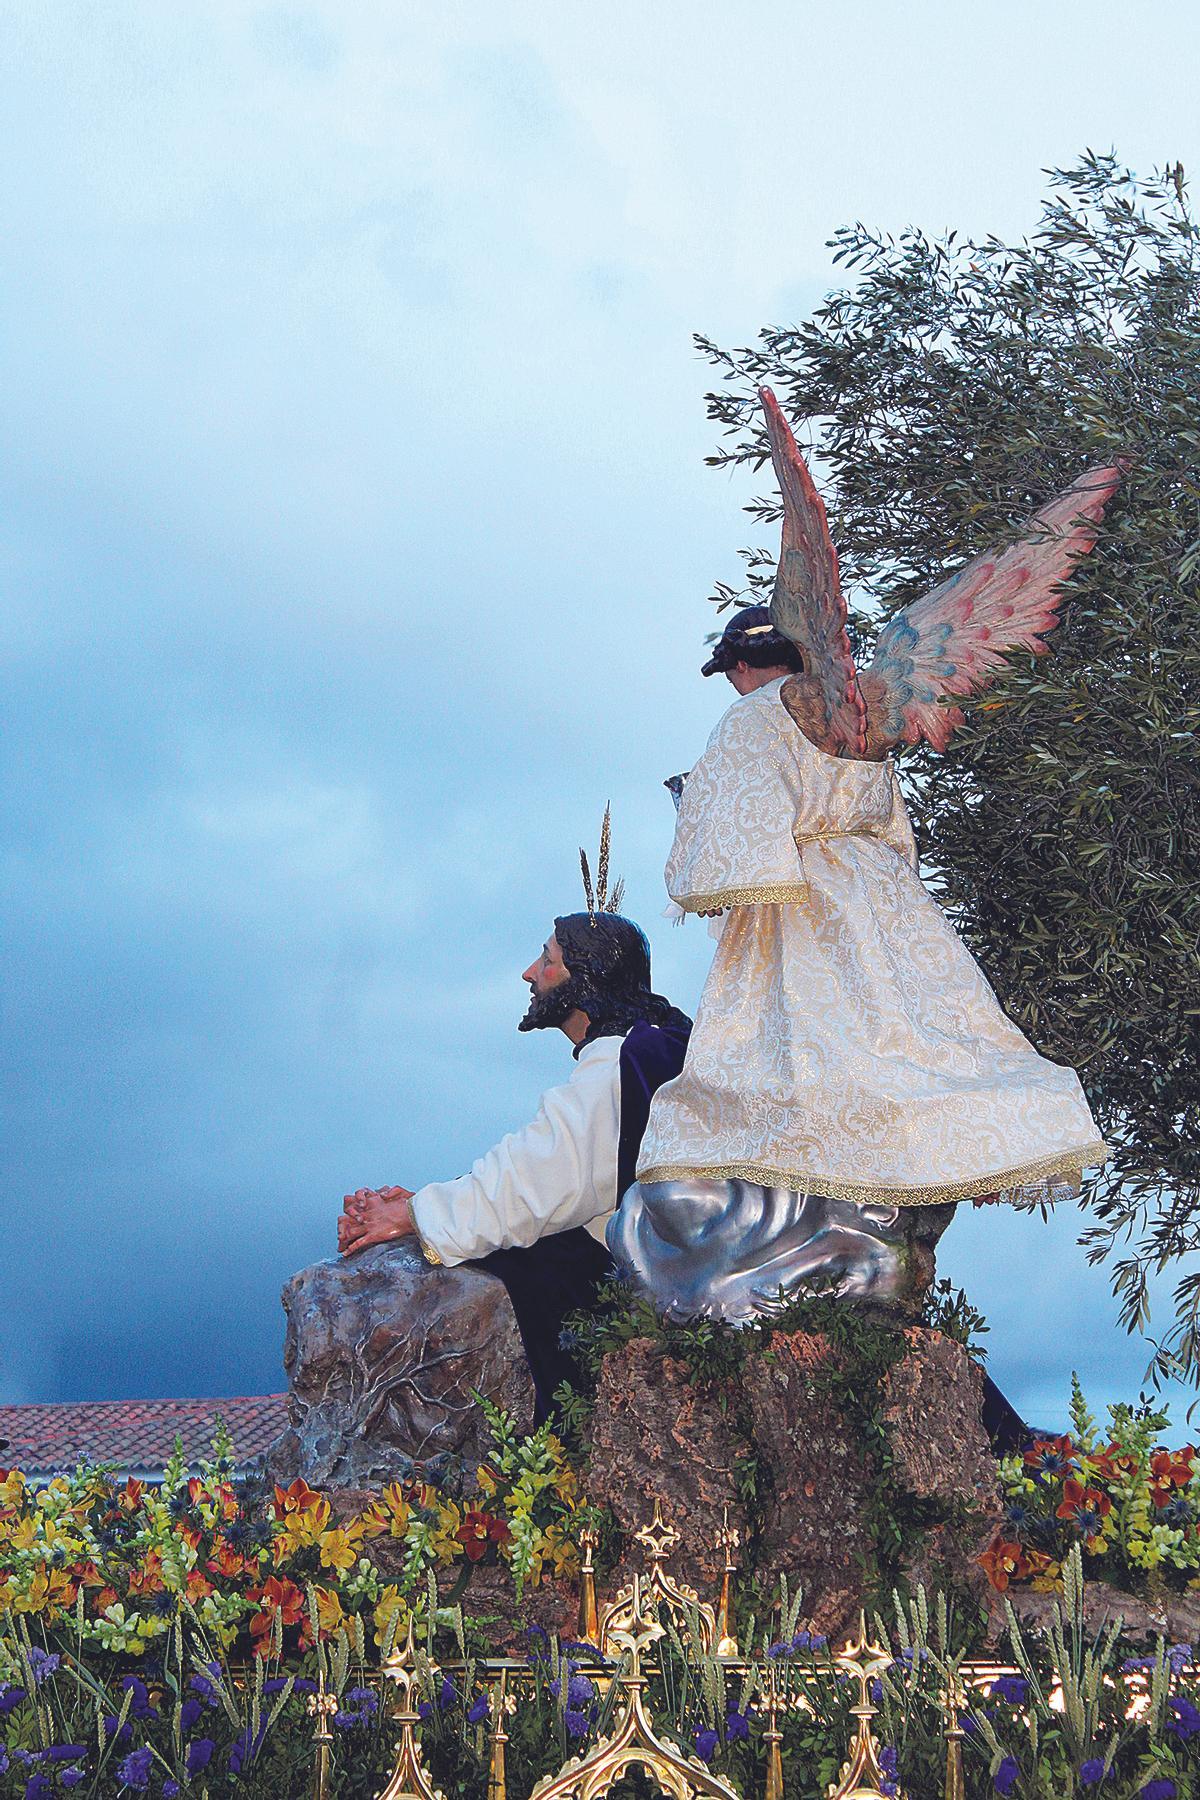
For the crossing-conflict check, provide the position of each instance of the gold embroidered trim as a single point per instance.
(427, 1250)
(1072, 1164)
(747, 896)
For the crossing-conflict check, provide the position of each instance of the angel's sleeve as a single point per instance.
(898, 831)
(734, 842)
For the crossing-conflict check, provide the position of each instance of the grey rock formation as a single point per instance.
(382, 1354)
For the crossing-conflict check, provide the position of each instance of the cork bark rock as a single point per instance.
(655, 1434)
(382, 1353)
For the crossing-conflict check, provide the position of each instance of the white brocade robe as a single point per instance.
(847, 1043)
(557, 1172)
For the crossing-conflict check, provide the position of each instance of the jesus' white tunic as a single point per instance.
(559, 1171)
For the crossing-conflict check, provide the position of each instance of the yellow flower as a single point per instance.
(330, 1616)
(339, 1549)
(304, 1528)
(486, 1479)
(50, 1591)
(391, 1510)
(562, 1553)
(24, 1535)
(12, 1488)
(390, 1615)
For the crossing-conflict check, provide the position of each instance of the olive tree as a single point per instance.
(944, 393)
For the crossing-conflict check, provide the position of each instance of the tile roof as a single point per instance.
(136, 1435)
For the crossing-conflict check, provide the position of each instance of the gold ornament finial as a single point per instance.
(861, 1777)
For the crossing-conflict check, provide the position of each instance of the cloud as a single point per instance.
(355, 532)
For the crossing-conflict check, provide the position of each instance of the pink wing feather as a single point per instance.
(807, 605)
(954, 640)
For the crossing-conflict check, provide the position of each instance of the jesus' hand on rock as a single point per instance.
(374, 1216)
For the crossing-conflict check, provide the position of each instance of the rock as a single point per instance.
(654, 1433)
(813, 1525)
(1173, 1616)
(382, 1353)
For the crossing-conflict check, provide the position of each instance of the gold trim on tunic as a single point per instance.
(1069, 1164)
(428, 1251)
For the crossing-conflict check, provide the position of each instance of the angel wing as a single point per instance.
(807, 605)
(954, 640)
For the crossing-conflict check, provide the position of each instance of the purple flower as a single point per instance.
(1185, 1717)
(41, 1665)
(477, 1712)
(189, 1712)
(1091, 1771)
(134, 1772)
(66, 1753)
(199, 1755)
(575, 1722)
(10, 1697)
(139, 1706)
(706, 1745)
(737, 1725)
(120, 1734)
(244, 1748)
(38, 1786)
(889, 1769)
(1012, 1688)
(200, 1684)
(1179, 1656)
(777, 1650)
(1005, 1778)
(170, 1789)
(3, 1760)
(1161, 1788)
(70, 1778)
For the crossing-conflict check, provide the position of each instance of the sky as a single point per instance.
(355, 537)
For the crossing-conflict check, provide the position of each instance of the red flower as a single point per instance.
(1003, 1562)
(1052, 1456)
(1170, 1470)
(274, 1596)
(478, 1530)
(1088, 1507)
(1111, 1463)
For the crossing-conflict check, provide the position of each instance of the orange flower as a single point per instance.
(274, 1597)
(297, 1498)
(228, 1564)
(149, 1578)
(130, 1496)
(1003, 1562)
(198, 1586)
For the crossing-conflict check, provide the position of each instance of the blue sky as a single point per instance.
(355, 536)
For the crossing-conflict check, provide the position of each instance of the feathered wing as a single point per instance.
(807, 605)
(955, 639)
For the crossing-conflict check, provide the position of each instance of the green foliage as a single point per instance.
(946, 394)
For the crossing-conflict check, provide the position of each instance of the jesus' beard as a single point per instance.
(553, 1007)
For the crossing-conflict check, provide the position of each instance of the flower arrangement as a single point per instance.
(1131, 1506)
(119, 1563)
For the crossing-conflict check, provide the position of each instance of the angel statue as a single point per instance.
(851, 1075)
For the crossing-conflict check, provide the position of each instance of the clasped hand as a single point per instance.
(374, 1216)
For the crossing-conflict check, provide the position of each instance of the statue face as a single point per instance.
(550, 997)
